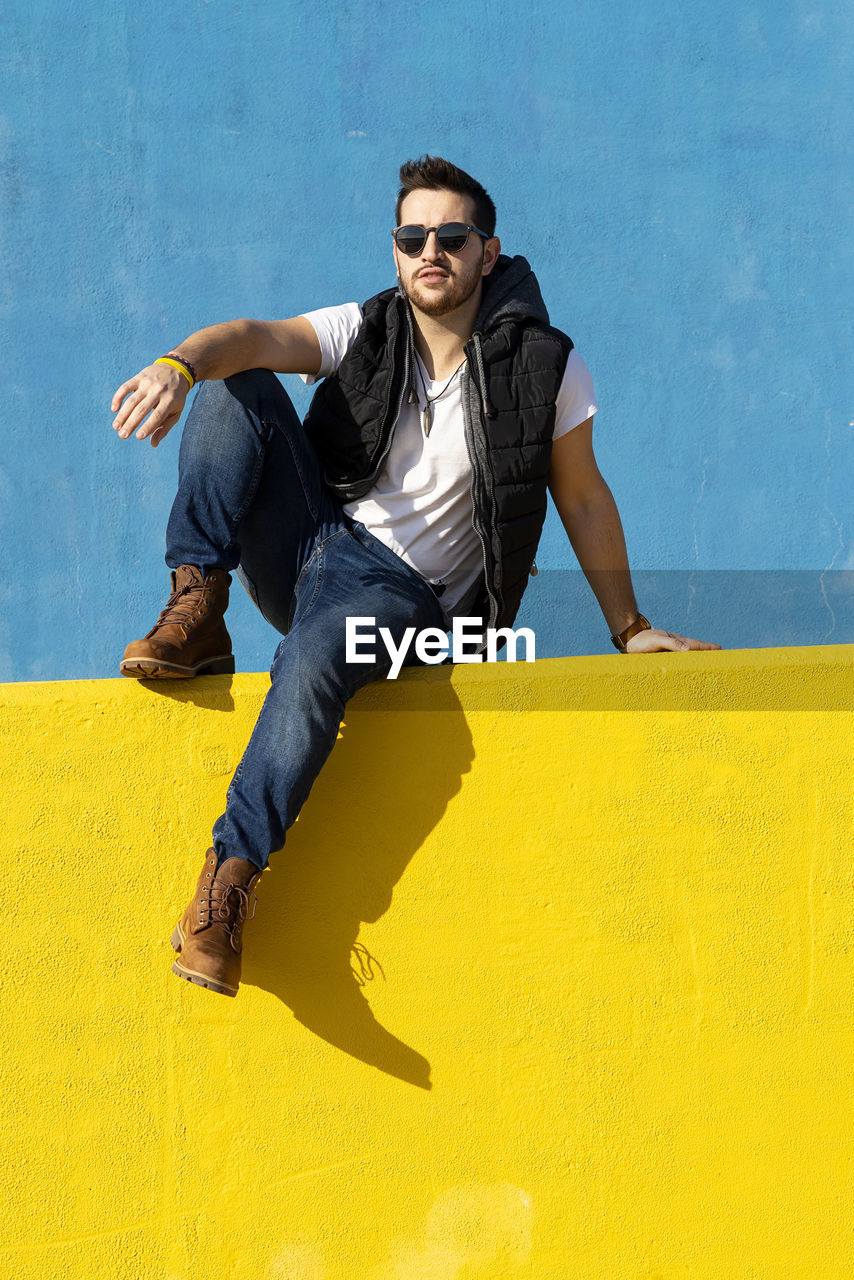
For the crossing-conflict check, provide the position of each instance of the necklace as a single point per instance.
(427, 408)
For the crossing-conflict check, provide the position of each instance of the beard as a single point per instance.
(456, 289)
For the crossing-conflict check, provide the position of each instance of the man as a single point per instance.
(415, 493)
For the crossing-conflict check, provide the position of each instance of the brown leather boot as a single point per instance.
(208, 934)
(189, 638)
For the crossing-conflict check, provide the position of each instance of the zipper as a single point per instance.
(479, 496)
(487, 411)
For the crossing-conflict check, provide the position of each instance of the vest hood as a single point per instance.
(510, 292)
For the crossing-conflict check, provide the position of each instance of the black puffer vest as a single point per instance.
(514, 366)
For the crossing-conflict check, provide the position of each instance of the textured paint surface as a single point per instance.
(678, 175)
(552, 979)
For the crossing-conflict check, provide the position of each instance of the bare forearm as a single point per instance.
(150, 403)
(596, 533)
(284, 346)
(220, 350)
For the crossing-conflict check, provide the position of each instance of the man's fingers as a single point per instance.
(653, 640)
(157, 414)
(669, 640)
(125, 413)
(165, 427)
(123, 390)
(688, 643)
(163, 418)
(138, 407)
(657, 641)
(130, 395)
(156, 391)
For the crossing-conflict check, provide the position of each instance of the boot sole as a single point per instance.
(153, 669)
(192, 975)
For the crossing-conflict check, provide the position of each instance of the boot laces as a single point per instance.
(174, 613)
(231, 908)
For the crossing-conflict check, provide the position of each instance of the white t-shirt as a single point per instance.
(421, 503)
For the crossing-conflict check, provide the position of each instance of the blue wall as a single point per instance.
(679, 176)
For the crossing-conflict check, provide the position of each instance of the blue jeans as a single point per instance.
(251, 498)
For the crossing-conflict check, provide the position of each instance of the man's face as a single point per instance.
(435, 281)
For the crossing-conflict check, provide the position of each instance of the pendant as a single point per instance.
(426, 419)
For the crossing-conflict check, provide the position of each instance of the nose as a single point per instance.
(432, 248)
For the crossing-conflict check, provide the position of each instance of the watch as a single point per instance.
(640, 624)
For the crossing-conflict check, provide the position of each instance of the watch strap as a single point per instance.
(640, 624)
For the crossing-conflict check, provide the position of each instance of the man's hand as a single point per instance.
(654, 641)
(150, 403)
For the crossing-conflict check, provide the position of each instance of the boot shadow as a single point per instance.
(384, 788)
(211, 692)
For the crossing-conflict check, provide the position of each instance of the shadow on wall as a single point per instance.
(212, 693)
(331, 876)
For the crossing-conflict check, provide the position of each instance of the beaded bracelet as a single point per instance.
(173, 355)
(182, 365)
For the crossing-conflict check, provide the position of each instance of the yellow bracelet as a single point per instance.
(179, 367)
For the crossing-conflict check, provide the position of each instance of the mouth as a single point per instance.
(431, 275)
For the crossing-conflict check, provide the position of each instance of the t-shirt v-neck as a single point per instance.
(421, 503)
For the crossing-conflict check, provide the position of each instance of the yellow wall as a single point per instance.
(613, 902)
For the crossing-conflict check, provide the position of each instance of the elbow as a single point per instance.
(577, 506)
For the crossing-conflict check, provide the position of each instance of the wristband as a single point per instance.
(173, 355)
(640, 624)
(183, 366)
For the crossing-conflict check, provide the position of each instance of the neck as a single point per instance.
(440, 340)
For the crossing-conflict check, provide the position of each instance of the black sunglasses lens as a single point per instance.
(410, 240)
(452, 236)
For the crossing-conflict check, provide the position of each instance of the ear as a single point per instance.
(491, 250)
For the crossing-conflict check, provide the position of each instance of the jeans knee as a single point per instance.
(246, 390)
(252, 386)
(311, 664)
(225, 410)
(211, 418)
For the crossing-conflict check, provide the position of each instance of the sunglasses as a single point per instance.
(452, 236)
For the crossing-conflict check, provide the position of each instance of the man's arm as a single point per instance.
(152, 402)
(589, 513)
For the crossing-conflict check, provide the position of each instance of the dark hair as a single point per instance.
(432, 173)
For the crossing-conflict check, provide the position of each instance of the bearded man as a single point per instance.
(414, 493)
